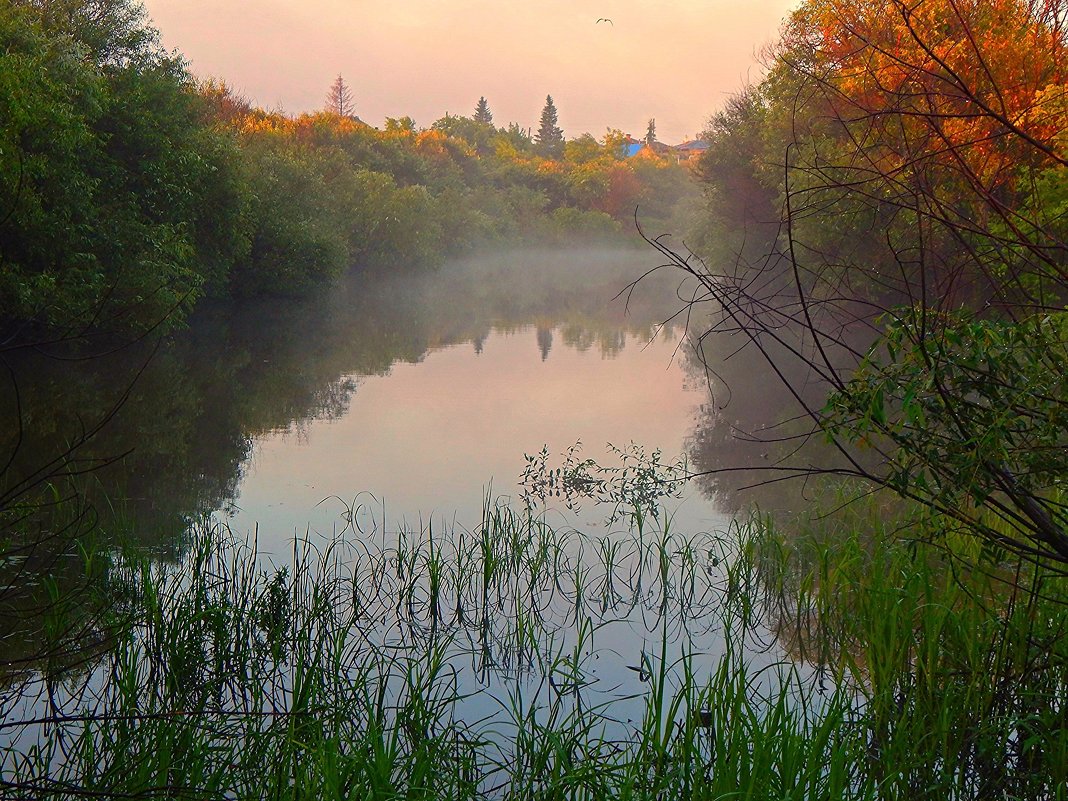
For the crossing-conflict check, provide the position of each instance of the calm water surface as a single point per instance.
(427, 441)
(411, 401)
(417, 396)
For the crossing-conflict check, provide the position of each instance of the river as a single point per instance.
(418, 394)
(404, 407)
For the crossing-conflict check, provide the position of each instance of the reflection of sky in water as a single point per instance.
(427, 439)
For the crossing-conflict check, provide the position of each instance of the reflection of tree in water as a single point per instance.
(545, 341)
(609, 342)
(748, 441)
(183, 435)
(241, 371)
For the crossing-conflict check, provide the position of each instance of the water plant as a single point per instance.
(519, 661)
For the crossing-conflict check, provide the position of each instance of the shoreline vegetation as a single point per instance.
(854, 661)
(129, 189)
(897, 179)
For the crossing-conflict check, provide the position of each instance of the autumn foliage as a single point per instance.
(909, 163)
(472, 182)
(974, 85)
(932, 130)
(128, 189)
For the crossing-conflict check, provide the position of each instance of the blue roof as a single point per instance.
(632, 149)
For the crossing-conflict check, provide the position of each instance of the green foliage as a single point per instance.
(969, 411)
(475, 132)
(402, 125)
(296, 241)
(550, 138)
(582, 150)
(635, 487)
(49, 100)
(954, 657)
(570, 224)
(110, 183)
(741, 194)
(482, 112)
(906, 206)
(513, 140)
(127, 192)
(851, 667)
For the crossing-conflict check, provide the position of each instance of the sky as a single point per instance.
(676, 61)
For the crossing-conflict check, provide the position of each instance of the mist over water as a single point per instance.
(391, 405)
(365, 449)
(525, 351)
(425, 390)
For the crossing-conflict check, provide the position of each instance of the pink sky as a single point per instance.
(675, 61)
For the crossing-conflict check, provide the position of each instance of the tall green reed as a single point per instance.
(833, 662)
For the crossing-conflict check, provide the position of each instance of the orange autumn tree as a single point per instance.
(936, 113)
(963, 76)
(622, 193)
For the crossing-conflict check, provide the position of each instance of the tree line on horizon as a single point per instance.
(547, 142)
(129, 189)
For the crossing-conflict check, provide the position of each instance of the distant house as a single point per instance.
(631, 146)
(641, 148)
(686, 152)
(690, 150)
(643, 151)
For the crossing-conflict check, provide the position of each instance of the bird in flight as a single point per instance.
(605, 19)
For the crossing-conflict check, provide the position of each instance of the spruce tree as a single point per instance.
(550, 138)
(339, 99)
(482, 112)
(650, 133)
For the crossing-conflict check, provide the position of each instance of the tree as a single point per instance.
(339, 99)
(583, 149)
(117, 200)
(650, 133)
(917, 152)
(615, 143)
(550, 138)
(482, 112)
(400, 125)
(516, 137)
(742, 205)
